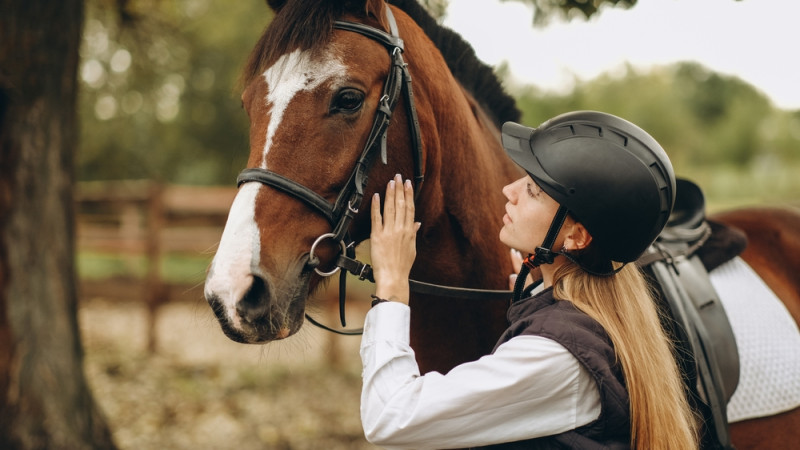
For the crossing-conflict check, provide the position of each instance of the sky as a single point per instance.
(755, 40)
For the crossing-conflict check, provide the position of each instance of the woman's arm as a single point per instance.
(530, 387)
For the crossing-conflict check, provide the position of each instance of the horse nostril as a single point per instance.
(253, 305)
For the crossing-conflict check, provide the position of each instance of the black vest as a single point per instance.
(561, 321)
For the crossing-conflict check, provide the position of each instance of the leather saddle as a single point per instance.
(679, 263)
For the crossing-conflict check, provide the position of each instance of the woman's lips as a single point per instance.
(507, 216)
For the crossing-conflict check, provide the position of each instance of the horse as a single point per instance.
(320, 108)
(319, 92)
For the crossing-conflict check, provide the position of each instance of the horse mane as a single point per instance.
(308, 24)
(478, 78)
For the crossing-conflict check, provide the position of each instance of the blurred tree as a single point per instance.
(161, 101)
(436, 8)
(159, 77)
(727, 110)
(702, 118)
(546, 10)
(45, 401)
(784, 133)
(159, 96)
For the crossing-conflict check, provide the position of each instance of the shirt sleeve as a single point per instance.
(530, 387)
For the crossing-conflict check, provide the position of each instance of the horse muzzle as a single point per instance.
(255, 309)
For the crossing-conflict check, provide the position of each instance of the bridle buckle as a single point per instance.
(313, 260)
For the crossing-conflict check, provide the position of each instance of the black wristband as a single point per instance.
(376, 300)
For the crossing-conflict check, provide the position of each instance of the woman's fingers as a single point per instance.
(399, 202)
(398, 207)
(409, 201)
(516, 264)
(388, 205)
(375, 213)
(516, 260)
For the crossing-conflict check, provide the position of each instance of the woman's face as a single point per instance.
(529, 212)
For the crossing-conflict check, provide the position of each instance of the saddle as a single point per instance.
(678, 263)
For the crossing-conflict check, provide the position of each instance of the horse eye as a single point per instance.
(347, 101)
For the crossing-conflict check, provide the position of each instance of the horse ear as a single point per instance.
(374, 8)
(276, 5)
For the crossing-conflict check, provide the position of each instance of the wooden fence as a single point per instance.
(149, 221)
(145, 220)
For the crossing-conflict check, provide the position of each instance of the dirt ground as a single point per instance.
(200, 390)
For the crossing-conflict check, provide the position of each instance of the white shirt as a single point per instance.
(529, 387)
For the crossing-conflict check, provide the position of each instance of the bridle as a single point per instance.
(341, 213)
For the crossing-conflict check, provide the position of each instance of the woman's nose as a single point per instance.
(510, 191)
(507, 191)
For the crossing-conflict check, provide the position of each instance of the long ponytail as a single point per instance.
(624, 305)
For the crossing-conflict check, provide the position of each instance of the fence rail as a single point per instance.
(150, 220)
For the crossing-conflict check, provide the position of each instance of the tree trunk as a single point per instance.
(45, 401)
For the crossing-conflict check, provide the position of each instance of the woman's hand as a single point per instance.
(393, 240)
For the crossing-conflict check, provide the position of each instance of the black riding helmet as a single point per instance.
(608, 173)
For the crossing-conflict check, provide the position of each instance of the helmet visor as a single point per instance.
(517, 143)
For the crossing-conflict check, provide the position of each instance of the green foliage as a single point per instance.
(702, 118)
(174, 268)
(546, 10)
(436, 8)
(717, 129)
(158, 97)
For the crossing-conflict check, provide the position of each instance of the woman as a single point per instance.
(584, 362)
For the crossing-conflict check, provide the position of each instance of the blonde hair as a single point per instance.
(624, 305)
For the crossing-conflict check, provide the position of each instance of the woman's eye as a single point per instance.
(534, 190)
(347, 101)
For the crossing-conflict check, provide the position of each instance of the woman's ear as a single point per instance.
(577, 238)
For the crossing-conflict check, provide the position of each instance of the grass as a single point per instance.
(175, 268)
(765, 183)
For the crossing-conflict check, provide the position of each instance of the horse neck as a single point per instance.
(458, 245)
(461, 202)
(469, 167)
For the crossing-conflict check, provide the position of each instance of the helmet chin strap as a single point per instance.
(543, 254)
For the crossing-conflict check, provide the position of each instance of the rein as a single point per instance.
(341, 213)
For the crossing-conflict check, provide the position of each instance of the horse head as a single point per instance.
(312, 92)
(320, 87)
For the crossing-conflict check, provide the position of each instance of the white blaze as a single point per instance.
(238, 256)
(230, 275)
(292, 73)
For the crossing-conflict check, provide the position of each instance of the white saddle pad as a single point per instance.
(768, 340)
